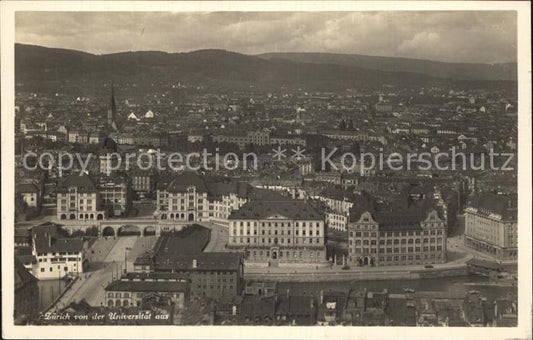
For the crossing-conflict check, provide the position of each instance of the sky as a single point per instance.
(474, 37)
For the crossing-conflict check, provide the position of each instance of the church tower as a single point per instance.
(112, 112)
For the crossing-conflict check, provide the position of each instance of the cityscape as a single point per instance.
(234, 186)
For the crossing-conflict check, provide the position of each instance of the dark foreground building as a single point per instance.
(26, 295)
(214, 275)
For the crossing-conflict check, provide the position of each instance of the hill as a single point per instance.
(41, 67)
(461, 71)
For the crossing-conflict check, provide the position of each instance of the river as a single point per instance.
(453, 285)
(49, 291)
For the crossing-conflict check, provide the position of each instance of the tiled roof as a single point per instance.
(504, 205)
(260, 194)
(27, 187)
(297, 305)
(291, 209)
(397, 219)
(47, 239)
(223, 187)
(181, 182)
(253, 307)
(114, 178)
(27, 259)
(82, 181)
(338, 193)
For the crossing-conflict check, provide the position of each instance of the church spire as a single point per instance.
(112, 111)
(113, 103)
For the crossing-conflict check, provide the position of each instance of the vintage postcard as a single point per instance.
(266, 169)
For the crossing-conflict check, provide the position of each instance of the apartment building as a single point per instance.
(491, 225)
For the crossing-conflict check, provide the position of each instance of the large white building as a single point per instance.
(190, 197)
(56, 256)
(278, 233)
(491, 225)
(338, 202)
(258, 138)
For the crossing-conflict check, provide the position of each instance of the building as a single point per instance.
(331, 308)
(338, 204)
(115, 194)
(258, 138)
(296, 310)
(109, 162)
(366, 308)
(219, 276)
(338, 199)
(183, 197)
(416, 235)
(483, 267)
(57, 256)
(78, 135)
(277, 310)
(97, 137)
(30, 194)
(78, 198)
(336, 221)
(135, 289)
(491, 225)
(260, 288)
(279, 233)
(477, 311)
(190, 197)
(26, 295)
(142, 182)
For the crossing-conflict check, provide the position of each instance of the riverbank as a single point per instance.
(376, 273)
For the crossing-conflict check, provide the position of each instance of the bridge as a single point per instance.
(122, 227)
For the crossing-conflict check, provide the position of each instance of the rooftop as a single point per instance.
(81, 181)
(290, 209)
(46, 239)
(489, 203)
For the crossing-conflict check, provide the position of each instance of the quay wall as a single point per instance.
(385, 274)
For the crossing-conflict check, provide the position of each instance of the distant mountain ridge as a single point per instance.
(462, 71)
(216, 69)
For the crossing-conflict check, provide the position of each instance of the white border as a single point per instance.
(258, 332)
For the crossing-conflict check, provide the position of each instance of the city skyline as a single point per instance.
(180, 165)
(455, 37)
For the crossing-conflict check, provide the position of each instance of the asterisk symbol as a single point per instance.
(279, 153)
(298, 153)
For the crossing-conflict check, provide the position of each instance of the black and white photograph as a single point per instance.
(355, 169)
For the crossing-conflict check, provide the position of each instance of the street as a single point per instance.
(90, 285)
(219, 237)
